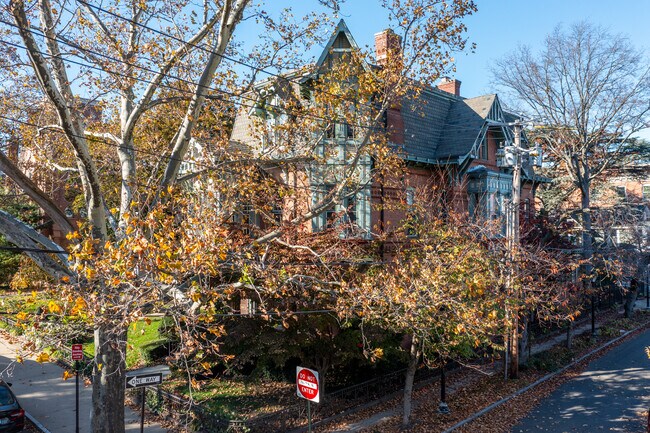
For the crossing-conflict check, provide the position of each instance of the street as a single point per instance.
(612, 394)
(49, 399)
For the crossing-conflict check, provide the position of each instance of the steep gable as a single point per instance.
(467, 123)
(339, 43)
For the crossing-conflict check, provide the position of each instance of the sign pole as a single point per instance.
(309, 414)
(76, 387)
(142, 395)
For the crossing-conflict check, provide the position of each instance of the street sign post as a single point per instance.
(137, 381)
(77, 355)
(140, 380)
(308, 387)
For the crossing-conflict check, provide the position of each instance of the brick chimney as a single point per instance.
(450, 85)
(387, 44)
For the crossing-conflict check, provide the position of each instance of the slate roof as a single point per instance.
(463, 126)
(424, 123)
(440, 126)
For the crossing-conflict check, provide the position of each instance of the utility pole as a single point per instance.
(511, 156)
(512, 232)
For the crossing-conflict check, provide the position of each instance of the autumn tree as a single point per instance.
(587, 90)
(441, 291)
(174, 217)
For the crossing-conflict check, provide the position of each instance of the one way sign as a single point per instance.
(143, 380)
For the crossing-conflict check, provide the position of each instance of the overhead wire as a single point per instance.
(200, 47)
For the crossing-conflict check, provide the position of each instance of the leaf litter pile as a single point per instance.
(469, 391)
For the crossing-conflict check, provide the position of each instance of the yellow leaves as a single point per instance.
(21, 316)
(54, 308)
(19, 359)
(67, 375)
(99, 366)
(43, 357)
(90, 273)
(79, 306)
(73, 235)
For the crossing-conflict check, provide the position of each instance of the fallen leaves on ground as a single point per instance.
(470, 391)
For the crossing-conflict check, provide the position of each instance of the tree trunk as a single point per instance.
(523, 340)
(569, 334)
(630, 298)
(414, 359)
(108, 381)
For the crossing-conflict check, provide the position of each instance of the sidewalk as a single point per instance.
(379, 417)
(50, 400)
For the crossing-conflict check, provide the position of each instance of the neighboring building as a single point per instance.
(49, 179)
(442, 137)
(622, 209)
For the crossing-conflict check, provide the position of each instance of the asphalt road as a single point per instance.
(612, 394)
(49, 399)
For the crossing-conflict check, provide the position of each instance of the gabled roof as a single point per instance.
(464, 125)
(443, 127)
(340, 34)
(439, 127)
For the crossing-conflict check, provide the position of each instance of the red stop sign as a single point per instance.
(307, 384)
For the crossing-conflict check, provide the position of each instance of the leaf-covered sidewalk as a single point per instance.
(469, 391)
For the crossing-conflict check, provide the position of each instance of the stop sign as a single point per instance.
(307, 384)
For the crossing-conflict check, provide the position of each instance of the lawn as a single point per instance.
(236, 399)
(142, 336)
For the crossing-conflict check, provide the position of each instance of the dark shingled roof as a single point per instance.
(424, 122)
(440, 126)
(464, 122)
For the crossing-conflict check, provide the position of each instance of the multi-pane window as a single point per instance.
(646, 192)
(621, 192)
(350, 204)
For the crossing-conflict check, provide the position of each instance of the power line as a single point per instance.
(228, 93)
(293, 112)
(202, 47)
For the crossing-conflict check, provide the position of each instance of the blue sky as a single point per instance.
(500, 25)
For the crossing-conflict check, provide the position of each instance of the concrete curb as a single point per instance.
(37, 424)
(539, 381)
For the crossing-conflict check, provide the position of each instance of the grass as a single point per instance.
(234, 399)
(14, 302)
(141, 337)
